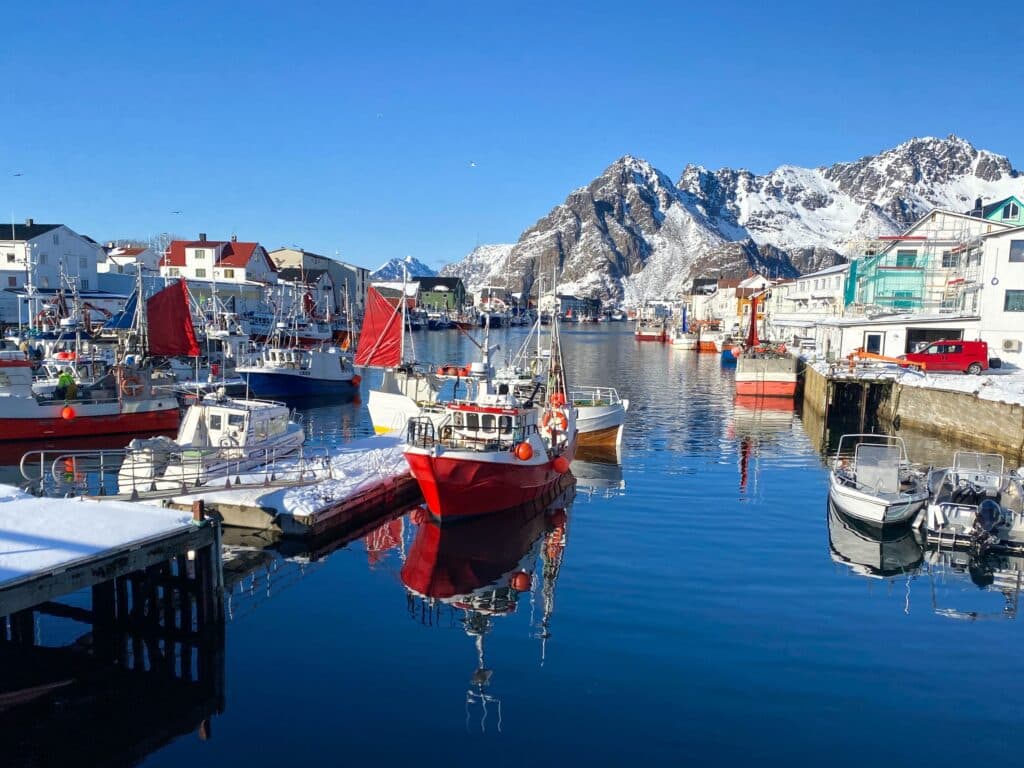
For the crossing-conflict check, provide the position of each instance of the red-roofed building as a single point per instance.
(227, 261)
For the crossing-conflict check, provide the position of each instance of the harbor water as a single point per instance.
(693, 602)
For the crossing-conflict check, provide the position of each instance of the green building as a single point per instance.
(441, 293)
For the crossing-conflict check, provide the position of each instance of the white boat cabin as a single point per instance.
(230, 423)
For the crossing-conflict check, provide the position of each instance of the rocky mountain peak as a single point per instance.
(632, 233)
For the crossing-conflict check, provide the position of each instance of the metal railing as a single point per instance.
(134, 474)
(422, 432)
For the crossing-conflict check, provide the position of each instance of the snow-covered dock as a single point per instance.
(349, 486)
(52, 547)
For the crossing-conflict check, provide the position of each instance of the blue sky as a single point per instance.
(352, 130)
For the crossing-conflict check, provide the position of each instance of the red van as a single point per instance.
(952, 355)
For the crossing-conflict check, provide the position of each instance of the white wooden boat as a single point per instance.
(872, 481)
(217, 436)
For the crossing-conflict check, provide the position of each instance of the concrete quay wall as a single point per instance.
(962, 418)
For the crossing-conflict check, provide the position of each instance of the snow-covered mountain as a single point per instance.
(633, 234)
(392, 269)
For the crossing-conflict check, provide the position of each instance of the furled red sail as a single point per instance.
(752, 340)
(169, 322)
(380, 342)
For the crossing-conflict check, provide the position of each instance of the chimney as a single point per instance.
(29, 222)
(202, 237)
(978, 204)
(234, 238)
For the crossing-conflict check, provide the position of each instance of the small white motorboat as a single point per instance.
(217, 437)
(975, 504)
(872, 481)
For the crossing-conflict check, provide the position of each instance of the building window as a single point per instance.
(906, 258)
(83, 262)
(1014, 301)
(44, 282)
(950, 260)
(174, 272)
(200, 254)
(200, 273)
(1011, 211)
(42, 258)
(1017, 251)
(229, 273)
(903, 299)
(120, 269)
(873, 343)
(56, 239)
(85, 285)
(12, 281)
(10, 258)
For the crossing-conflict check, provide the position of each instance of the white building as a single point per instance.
(43, 252)
(344, 276)
(794, 307)
(296, 284)
(225, 261)
(126, 259)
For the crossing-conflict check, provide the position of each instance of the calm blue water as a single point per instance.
(700, 611)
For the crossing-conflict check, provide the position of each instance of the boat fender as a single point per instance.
(560, 465)
(356, 380)
(524, 451)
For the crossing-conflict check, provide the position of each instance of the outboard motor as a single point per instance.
(989, 515)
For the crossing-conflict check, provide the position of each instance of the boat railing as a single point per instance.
(130, 474)
(422, 432)
(591, 396)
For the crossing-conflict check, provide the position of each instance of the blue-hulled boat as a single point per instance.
(291, 372)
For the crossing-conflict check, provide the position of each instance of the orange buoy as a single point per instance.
(557, 517)
(67, 413)
(557, 398)
(524, 451)
(356, 379)
(520, 581)
(561, 465)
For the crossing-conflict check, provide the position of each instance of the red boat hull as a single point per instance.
(461, 488)
(83, 425)
(766, 388)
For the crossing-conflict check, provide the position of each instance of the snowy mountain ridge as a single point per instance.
(632, 234)
(393, 269)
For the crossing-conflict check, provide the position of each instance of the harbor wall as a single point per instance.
(961, 418)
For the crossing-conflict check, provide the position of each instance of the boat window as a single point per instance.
(236, 420)
(457, 419)
(487, 422)
(472, 421)
(505, 424)
(214, 421)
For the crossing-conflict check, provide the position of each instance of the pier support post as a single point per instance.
(863, 405)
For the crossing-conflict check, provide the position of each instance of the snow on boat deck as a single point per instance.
(345, 473)
(39, 535)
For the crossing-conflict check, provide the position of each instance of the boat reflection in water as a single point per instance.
(598, 472)
(973, 598)
(876, 554)
(961, 585)
(759, 421)
(481, 568)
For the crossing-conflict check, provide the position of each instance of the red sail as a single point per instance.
(169, 323)
(380, 342)
(752, 340)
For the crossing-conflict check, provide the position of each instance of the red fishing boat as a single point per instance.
(124, 401)
(493, 452)
(764, 370)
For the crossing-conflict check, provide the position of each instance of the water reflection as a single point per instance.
(960, 585)
(471, 574)
(759, 425)
(598, 472)
(870, 553)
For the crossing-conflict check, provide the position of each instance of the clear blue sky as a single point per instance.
(350, 128)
